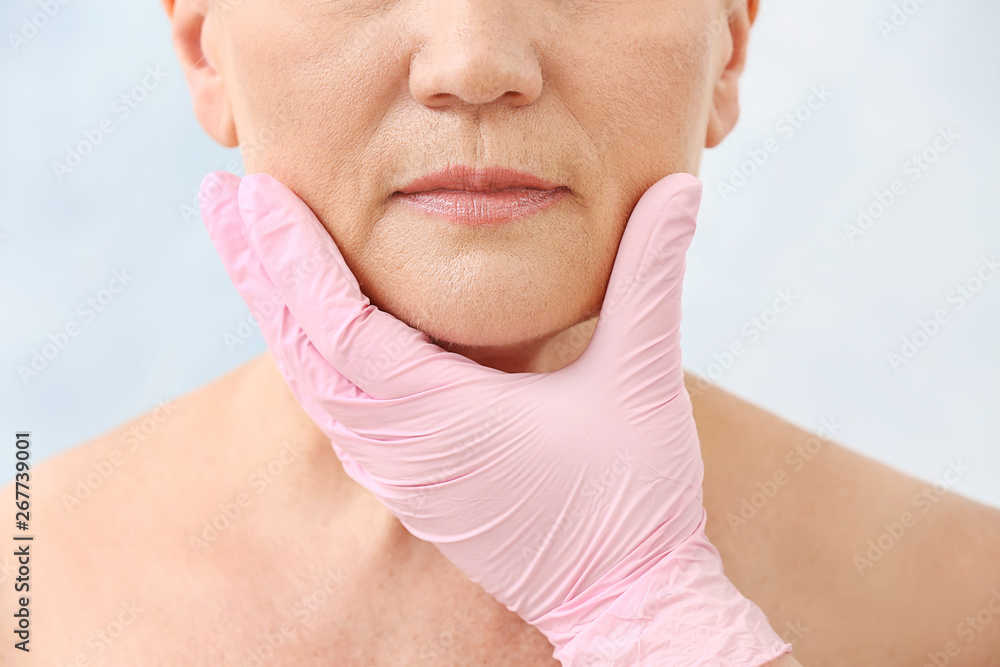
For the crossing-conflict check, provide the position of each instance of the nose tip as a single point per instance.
(484, 58)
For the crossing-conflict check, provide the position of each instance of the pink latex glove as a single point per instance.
(573, 497)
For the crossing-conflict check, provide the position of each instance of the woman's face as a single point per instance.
(346, 101)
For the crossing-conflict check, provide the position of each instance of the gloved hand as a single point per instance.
(573, 497)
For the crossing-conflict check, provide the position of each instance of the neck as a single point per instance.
(277, 420)
(544, 355)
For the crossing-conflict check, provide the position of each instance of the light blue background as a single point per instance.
(826, 357)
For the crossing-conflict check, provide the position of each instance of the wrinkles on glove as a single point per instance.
(682, 611)
(573, 497)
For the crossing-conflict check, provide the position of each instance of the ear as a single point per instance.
(725, 108)
(194, 47)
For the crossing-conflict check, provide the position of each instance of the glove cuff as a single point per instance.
(682, 610)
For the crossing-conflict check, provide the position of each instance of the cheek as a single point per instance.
(309, 98)
(664, 103)
(641, 99)
(642, 94)
(304, 95)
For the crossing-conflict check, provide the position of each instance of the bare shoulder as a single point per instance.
(137, 458)
(853, 561)
(96, 513)
(220, 528)
(766, 446)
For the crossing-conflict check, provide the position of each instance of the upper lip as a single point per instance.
(477, 179)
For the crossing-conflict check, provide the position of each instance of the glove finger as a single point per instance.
(639, 325)
(369, 425)
(382, 355)
(220, 209)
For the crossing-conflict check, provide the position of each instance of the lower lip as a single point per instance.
(483, 208)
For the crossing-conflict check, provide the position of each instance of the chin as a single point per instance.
(484, 324)
(492, 328)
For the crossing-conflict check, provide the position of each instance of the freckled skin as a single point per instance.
(227, 542)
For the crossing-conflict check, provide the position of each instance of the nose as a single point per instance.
(476, 52)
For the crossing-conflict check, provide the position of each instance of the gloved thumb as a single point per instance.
(640, 318)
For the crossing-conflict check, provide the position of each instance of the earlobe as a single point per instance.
(724, 110)
(192, 42)
(724, 113)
